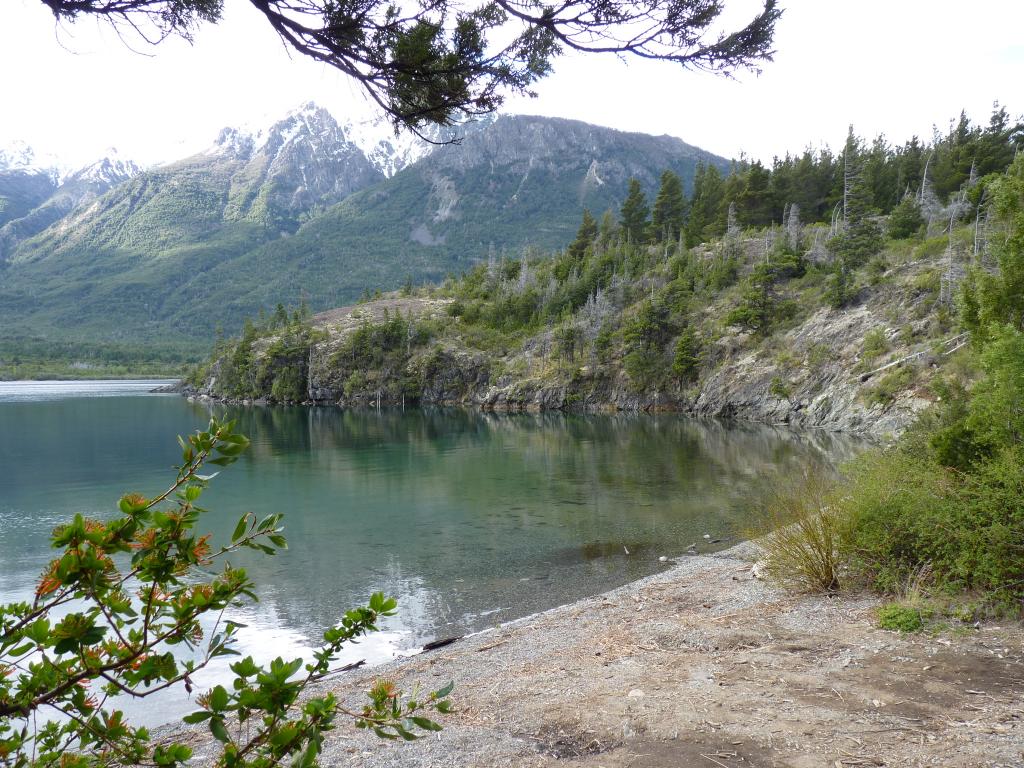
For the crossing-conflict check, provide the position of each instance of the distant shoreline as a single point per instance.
(140, 377)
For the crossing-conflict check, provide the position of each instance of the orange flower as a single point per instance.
(201, 548)
(145, 540)
(49, 582)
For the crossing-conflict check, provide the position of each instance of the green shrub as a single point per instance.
(907, 513)
(876, 269)
(905, 220)
(779, 388)
(686, 360)
(876, 344)
(890, 385)
(900, 618)
(932, 247)
(818, 355)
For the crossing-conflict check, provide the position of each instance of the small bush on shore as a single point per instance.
(802, 530)
(900, 618)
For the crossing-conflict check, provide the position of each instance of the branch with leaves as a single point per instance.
(122, 594)
(433, 62)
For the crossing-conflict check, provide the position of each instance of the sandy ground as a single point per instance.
(705, 666)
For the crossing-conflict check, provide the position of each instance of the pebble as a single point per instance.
(636, 693)
(662, 559)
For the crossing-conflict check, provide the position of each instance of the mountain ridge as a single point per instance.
(303, 208)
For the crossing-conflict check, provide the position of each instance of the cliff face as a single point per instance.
(815, 374)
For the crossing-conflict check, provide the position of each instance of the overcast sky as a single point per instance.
(888, 66)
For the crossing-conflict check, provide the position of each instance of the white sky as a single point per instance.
(890, 66)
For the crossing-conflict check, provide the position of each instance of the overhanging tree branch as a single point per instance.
(433, 62)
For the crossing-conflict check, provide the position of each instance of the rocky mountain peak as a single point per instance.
(20, 157)
(108, 171)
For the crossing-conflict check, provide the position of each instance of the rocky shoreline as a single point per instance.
(810, 376)
(705, 665)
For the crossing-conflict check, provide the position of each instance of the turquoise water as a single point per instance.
(468, 519)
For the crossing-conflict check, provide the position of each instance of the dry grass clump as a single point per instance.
(801, 529)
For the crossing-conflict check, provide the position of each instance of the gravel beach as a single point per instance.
(703, 665)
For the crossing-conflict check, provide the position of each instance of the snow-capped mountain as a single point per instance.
(308, 206)
(42, 196)
(389, 152)
(392, 152)
(375, 138)
(109, 170)
(275, 174)
(17, 157)
(316, 127)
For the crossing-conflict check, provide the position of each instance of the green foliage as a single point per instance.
(900, 618)
(1000, 297)
(645, 335)
(686, 360)
(34, 358)
(374, 358)
(779, 388)
(948, 498)
(875, 344)
(858, 243)
(431, 65)
(908, 512)
(722, 272)
(634, 213)
(669, 214)
(120, 596)
(279, 369)
(585, 237)
(818, 355)
(890, 385)
(906, 219)
(993, 416)
(760, 306)
(840, 290)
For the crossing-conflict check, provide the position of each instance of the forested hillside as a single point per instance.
(302, 210)
(694, 302)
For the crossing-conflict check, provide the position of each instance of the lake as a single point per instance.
(468, 519)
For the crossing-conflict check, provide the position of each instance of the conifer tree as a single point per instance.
(585, 237)
(860, 237)
(906, 219)
(707, 197)
(634, 213)
(669, 215)
(686, 361)
(608, 229)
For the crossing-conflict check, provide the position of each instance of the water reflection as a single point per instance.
(468, 518)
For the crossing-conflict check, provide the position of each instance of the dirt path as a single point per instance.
(703, 666)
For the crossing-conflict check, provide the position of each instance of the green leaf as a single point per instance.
(197, 717)
(220, 733)
(21, 650)
(240, 528)
(426, 723)
(218, 699)
(445, 691)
